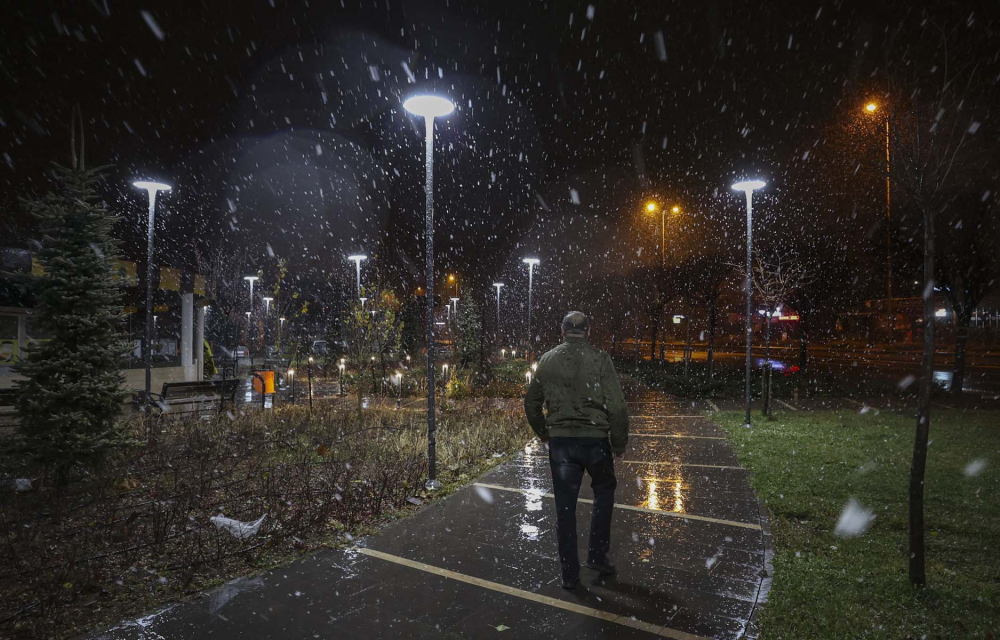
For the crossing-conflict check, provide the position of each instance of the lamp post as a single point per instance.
(531, 262)
(267, 311)
(748, 187)
(291, 378)
(340, 379)
(357, 258)
(309, 373)
(151, 189)
(251, 280)
(498, 285)
(872, 107)
(430, 107)
(454, 301)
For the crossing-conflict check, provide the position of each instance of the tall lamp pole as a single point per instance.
(430, 107)
(251, 280)
(151, 189)
(531, 262)
(872, 107)
(498, 285)
(748, 188)
(357, 258)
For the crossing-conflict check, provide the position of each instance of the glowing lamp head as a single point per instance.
(429, 106)
(267, 299)
(251, 279)
(675, 210)
(651, 207)
(151, 187)
(454, 299)
(871, 107)
(358, 257)
(291, 372)
(749, 185)
(498, 285)
(531, 261)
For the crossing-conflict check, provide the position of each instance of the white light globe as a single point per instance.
(749, 185)
(429, 106)
(151, 186)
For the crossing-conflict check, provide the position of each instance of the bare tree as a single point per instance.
(776, 281)
(936, 156)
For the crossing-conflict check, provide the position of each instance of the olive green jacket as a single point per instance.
(579, 388)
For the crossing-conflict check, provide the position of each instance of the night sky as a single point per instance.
(280, 124)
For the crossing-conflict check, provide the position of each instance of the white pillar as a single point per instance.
(199, 343)
(187, 327)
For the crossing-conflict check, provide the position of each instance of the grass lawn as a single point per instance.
(806, 466)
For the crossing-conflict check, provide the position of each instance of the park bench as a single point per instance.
(188, 397)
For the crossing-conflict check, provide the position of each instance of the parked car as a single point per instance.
(319, 347)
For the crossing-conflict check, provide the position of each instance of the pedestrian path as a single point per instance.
(687, 537)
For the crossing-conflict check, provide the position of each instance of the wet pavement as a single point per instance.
(687, 538)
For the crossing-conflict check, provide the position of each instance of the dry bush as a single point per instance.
(137, 532)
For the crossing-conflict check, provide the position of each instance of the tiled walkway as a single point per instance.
(687, 539)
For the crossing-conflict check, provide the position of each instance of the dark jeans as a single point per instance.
(569, 458)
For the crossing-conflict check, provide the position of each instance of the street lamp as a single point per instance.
(498, 285)
(363, 301)
(748, 187)
(251, 280)
(151, 189)
(267, 305)
(454, 301)
(429, 107)
(357, 258)
(531, 262)
(873, 107)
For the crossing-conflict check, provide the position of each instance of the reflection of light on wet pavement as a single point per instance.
(530, 532)
(652, 500)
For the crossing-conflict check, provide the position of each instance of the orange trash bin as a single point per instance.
(268, 377)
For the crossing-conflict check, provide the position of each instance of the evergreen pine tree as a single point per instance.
(470, 328)
(69, 405)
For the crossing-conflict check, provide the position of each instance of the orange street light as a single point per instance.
(872, 107)
(675, 210)
(651, 207)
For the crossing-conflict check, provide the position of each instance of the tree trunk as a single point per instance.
(656, 331)
(963, 316)
(712, 321)
(687, 339)
(803, 355)
(918, 577)
(766, 387)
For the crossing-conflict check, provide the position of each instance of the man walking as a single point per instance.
(584, 423)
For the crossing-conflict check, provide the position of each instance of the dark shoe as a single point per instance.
(604, 568)
(569, 585)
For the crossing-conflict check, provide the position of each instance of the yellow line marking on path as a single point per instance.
(683, 516)
(785, 404)
(670, 464)
(683, 464)
(626, 621)
(674, 435)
